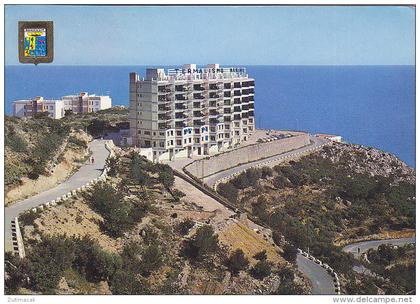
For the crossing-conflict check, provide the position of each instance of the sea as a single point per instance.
(368, 105)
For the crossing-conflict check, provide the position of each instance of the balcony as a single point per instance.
(197, 114)
(163, 126)
(199, 96)
(164, 108)
(226, 94)
(237, 117)
(237, 85)
(163, 89)
(180, 107)
(213, 87)
(198, 87)
(182, 88)
(214, 95)
(180, 124)
(227, 86)
(237, 109)
(164, 117)
(251, 106)
(251, 113)
(163, 98)
(198, 123)
(245, 115)
(180, 116)
(180, 97)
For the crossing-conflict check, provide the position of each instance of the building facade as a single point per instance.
(191, 111)
(82, 103)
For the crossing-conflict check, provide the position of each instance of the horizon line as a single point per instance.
(199, 64)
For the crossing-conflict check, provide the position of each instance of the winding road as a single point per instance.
(85, 174)
(322, 282)
(270, 161)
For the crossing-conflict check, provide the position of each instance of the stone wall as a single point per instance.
(223, 161)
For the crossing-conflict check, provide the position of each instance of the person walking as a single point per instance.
(92, 160)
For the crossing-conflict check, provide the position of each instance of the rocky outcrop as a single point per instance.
(369, 160)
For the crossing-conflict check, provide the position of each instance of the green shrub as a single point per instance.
(237, 262)
(185, 226)
(261, 256)
(261, 270)
(290, 253)
(78, 142)
(16, 142)
(127, 283)
(204, 243)
(229, 191)
(152, 259)
(119, 216)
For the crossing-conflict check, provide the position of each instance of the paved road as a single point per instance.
(322, 282)
(366, 245)
(271, 161)
(85, 174)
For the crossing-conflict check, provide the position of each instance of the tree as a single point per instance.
(151, 259)
(112, 165)
(204, 243)
(261, 256)
(185, 226)
(47, 261)
(93, 262)
(261, 270)
(127, 283)
(167, 178)
(229, 191)
(237, 262)
(290, 253)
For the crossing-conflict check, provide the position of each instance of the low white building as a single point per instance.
(82, 103)
(336, 138)
(29, 107)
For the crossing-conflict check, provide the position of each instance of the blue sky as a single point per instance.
(92, 35)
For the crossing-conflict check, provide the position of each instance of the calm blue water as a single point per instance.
(369, 105)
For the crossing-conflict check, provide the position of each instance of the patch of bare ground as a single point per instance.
(74, 218)
(72, 158)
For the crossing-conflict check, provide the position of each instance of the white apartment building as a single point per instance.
(82, 103)
(191, 111)
(29, 107)
(85, 103)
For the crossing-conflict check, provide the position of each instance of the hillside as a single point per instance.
(41, 152)
(338, 195)
(138, 233)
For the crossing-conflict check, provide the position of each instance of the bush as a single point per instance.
(47, 261)
(237, 262)
(112, 164)
(261, 256)
(166, 178)
(93, 262)
(119, 216)
(266, 172)
(151, 259)
(204, 243)
(127, 283)
(13, 173)
(290, 253)
(261, 270)
(229, 191)
(185, 226)
(16, 142)
(78, 142)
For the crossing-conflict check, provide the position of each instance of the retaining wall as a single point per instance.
(223, 161)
